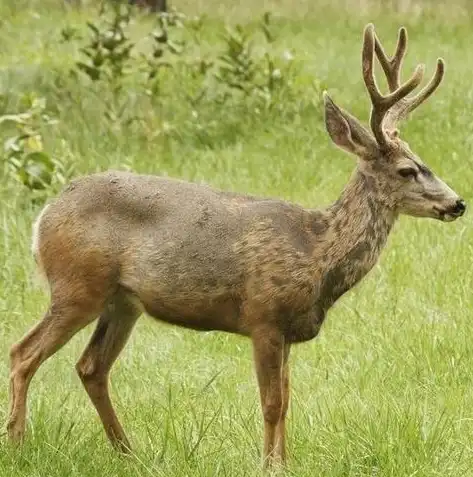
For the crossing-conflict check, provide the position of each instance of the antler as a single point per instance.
(388, 110)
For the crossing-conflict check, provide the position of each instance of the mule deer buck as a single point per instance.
(115, 244)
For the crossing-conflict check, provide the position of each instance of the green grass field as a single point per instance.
(386, 389)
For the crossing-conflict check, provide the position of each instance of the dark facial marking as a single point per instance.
(428, 196)
(424, 170)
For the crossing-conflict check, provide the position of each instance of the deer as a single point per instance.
(115, 245)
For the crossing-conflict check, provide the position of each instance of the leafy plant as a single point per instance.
(237, 68)
(108, 52)
(162, 46)
(246, 73)
(263, 77)
(23, 150)
(107, 56)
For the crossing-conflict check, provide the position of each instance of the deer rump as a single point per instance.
(190, 255)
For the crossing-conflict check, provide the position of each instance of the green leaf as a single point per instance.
(12, 144)
(175, 47)
(40, 157)
(39, 103)
(93, 28)
(37, 171)
(90, 71)
(20, 118)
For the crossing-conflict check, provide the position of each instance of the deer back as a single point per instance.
(186, 250)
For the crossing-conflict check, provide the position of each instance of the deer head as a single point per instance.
(399, 178)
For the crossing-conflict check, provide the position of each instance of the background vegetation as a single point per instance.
(386, 388)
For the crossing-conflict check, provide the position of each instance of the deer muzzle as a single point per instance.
(449, 214)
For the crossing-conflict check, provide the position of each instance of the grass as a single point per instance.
(385, 390)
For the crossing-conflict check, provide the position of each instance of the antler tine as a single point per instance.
(376, 116)
(381, 104)
(409, 104)
(432, 85)
(367, 64)
(392, 67)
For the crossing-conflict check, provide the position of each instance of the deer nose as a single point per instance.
(460, 207)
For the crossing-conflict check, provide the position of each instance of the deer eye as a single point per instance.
(408, 172)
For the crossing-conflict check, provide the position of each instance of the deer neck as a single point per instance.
(357, 228)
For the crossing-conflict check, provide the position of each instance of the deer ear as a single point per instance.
(347, 132)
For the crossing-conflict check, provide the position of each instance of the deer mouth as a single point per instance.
(452, 213)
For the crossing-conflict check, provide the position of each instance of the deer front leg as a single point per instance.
(280, 440)
(268, 348)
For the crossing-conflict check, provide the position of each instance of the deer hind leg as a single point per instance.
(268, 347)
(65, 317)
(110, 336)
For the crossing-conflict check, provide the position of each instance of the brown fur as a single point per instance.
(116, 243)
